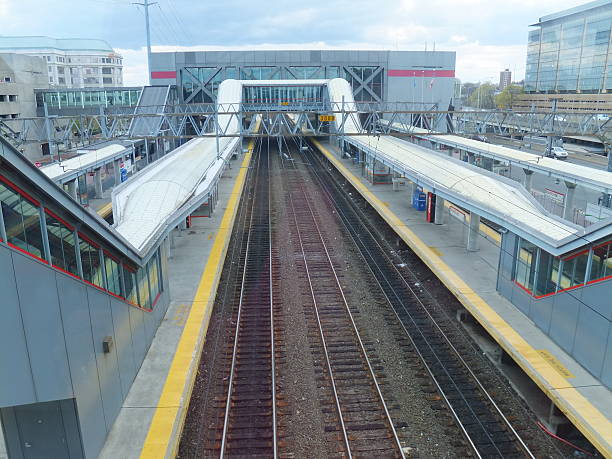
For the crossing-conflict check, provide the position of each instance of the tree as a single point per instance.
(483, 96)
(506, 98)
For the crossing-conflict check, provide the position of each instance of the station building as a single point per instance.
(423, 78)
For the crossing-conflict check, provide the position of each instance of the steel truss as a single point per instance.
(211, 120)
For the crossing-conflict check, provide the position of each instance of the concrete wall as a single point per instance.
(579, 320)
(51, 342)
(26, 73)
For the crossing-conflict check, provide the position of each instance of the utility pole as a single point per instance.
(146, 6)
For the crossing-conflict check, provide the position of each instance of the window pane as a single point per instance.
(525, 264)
(22, 221)
(143, 288)
(548, 274)
(113, 282)
(61, 245)
(152, 268)
(129, 279)
(90, 259)
(601, 265)
(573, 271)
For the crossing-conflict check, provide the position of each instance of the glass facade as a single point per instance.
(571, 53)
(282, 94)
(541, 274)
(41, 234)
(75, 98)
(200, 84)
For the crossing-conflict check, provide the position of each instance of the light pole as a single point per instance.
(146, 6)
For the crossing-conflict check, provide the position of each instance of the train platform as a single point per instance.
(472, 278)
(151, 417)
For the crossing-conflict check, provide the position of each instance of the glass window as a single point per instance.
(601, 264)
(61, 245)
(22, 221)
(112, 269)
(129, 280)
(154, 280)
(574, 270)
(547, 275)
(90, 260)
(143, 288)
(526, 264)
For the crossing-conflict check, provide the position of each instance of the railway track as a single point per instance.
(250, 414)
(364, 423)
(485, 428)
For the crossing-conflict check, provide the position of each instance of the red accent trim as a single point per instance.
(559, 291)
(422, 73)
(133, 271)
(524, 288)
(571, 257)
(27, 253)
(594, 281)
(66, 272)
(155, 302)
(602, 245)
(19, 190)
(111, 256)
(86, 239)
(163, 75)
(96, 286)
(62, 221)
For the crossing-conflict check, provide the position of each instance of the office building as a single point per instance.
(505, 79)
(73, 62)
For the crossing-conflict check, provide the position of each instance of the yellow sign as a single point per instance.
(324, 118)
(284, 103)
(552, 360)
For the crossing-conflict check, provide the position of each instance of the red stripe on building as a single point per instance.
(163, 75)
(422, 73)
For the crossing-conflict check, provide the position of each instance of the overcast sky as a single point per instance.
(488, 35)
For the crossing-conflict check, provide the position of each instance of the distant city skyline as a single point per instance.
(487, 36)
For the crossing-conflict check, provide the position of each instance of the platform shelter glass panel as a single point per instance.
(90, 260)
(154, 279)
(21, 221)
(526, 264)
(573, 270)
(129, 280)
(547, 277)
(62, 245)
(144, 296)
(601, 262)
(113, 273)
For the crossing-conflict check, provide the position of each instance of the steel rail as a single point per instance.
(362, 218)
(354, 327)
(238, 321)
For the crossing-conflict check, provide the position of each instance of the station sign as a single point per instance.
(327, 118)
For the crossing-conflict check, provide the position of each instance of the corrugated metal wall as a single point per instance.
(51, 342)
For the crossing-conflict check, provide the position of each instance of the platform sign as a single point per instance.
(326, 118)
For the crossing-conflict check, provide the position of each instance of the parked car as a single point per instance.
(603, 117)
(558, 153)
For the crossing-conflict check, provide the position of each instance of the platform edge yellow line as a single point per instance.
(539, 370)
(169, 418)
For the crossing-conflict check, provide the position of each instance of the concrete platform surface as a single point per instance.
(472, 277)
(157, 399)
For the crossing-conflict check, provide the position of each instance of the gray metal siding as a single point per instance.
(541, 312)
(42, 322)
(563, 323)
(16, 386)
(591, 339)
(51, 342)
(82, 360)
(108, 367)
(597, 296)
